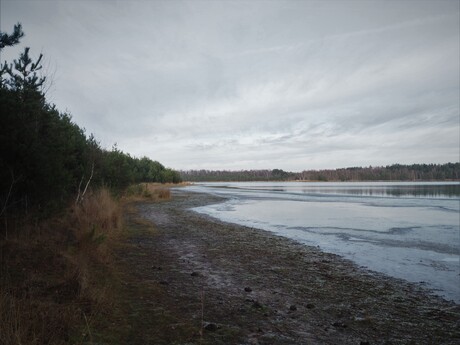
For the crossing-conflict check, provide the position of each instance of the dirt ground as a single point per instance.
(190, 279)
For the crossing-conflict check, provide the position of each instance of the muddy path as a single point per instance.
(196, 280)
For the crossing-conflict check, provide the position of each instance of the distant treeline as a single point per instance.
(47, 159)
(396, 172)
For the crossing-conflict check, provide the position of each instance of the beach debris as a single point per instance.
(247, 289)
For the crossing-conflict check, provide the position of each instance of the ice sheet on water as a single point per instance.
(409, 231)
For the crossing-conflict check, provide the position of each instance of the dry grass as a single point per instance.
(39, 290)
(149, 191)
(29, 321)
(96, 221)
(98, 209)
(55, 276)
(97, 225)
(57, 279)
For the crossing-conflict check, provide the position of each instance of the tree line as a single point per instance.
(395, 172)
(46, 159)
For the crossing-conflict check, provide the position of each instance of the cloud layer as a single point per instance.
(241, 85)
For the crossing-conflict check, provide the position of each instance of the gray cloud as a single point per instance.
(238, 85)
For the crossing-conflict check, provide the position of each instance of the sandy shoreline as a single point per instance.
(249, 286)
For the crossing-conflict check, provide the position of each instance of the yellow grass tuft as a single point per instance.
(99, 212)
(149, 191)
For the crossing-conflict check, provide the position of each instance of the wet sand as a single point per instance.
(248, 286)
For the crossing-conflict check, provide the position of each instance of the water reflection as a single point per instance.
(445, 191)
(417, 190)
(407, 230)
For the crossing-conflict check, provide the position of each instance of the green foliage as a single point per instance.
(169, 175)
(23, 74)
(279, 174)
(38, 148)
(10, 40)
(7, 41)
(45, 158)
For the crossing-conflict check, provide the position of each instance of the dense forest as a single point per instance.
(62, 204)
(396, 172)
(46, 159)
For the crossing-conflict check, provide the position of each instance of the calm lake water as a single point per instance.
(406, 230)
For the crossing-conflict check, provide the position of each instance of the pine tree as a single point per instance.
(10, 40)
(23, 73)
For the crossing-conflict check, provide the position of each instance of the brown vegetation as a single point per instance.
(149, 191)
(50, 286)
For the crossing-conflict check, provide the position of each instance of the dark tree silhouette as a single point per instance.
(46, 160)
(10, 40)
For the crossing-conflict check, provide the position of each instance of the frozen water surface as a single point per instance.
(406, 230)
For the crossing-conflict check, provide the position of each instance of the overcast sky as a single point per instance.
(254, 84)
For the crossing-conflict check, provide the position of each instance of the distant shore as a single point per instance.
(185, 183)
(248, 286)
(395, 172)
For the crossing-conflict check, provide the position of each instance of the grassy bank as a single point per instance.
(57, 280)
